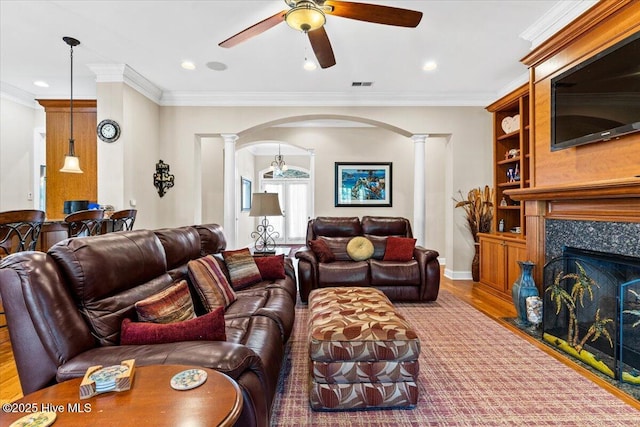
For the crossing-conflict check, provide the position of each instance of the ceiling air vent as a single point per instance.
(361, 84)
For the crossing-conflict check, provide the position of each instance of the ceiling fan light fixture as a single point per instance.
(305, 16)
(309, 65)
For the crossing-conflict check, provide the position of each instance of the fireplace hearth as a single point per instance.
(592, 310)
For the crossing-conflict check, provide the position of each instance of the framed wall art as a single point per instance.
(363, 184)
(246, 194)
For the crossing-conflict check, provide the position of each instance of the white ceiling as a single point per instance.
(477, 44)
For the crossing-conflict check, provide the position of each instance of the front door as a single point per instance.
(295, 201)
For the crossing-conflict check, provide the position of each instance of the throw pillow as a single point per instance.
(243, 270)
(271, 267)
(174, 304)
(360, 248)
(208, 327)
(210, 283)
(322, 251)
(399, 249)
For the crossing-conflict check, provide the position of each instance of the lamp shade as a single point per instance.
(71, 165)
(265, 204)
(305, 17)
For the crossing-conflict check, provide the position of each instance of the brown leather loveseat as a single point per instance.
(415, 279)
(65, 308)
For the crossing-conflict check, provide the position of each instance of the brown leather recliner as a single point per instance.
(64, 309)
(414, 280)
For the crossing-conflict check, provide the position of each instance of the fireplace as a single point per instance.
(592, 303)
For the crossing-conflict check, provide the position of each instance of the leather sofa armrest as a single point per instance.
(230, 358)
(307, 272)
(306, 254)
(429, 271)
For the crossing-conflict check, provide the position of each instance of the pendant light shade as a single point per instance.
(71, 162)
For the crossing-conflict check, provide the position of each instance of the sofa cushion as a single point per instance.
(209, 327)
(355, 273)
(338, 246)
(104, 294)
(386, 226)
(271, 267)
(394, 272)
(174, 304)
(322, 250)
(399, 249)
(360, 248)
(336, 227)
(210, 283)
(243, 270)
(379, 245)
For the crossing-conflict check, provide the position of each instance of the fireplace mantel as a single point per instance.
(615, 200)
(613, 189)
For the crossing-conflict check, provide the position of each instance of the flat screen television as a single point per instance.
(598, 99)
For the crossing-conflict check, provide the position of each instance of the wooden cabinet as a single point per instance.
(500, 251)
(499, 256)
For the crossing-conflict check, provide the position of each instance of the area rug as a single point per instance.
(473, 372)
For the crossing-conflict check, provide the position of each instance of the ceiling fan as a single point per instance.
(308, 16)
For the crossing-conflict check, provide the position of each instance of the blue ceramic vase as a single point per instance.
(523, 288)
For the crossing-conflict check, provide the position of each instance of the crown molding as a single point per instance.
(556, 18)
(18, 96)
(322, 99)
(122, 73)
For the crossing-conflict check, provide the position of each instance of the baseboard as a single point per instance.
(457, 275)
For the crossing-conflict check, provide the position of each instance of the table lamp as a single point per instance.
(264, 205)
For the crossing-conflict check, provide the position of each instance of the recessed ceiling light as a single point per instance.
(41, 83)
(216, 66)
(188, 65)
(430, 66)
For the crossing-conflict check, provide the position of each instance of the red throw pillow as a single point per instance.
(322, 250)
(271, 267)
(399, 249)
(209, 327)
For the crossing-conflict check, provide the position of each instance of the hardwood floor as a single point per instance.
(488, 304)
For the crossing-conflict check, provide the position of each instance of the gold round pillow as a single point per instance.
(360, 248)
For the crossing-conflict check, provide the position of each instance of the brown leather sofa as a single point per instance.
(64, 309)
(415, 280)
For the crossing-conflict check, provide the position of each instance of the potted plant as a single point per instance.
(478, 208)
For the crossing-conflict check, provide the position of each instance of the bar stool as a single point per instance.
(19, 230)
(85, 223)
(122, 220)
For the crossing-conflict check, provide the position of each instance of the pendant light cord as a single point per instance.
(71, 140)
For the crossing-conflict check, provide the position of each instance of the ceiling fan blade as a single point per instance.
(322, 47)
(254, 30)
(374, 13)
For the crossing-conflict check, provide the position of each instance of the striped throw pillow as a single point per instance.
(174, 304)
(210, 283)
(243, 269)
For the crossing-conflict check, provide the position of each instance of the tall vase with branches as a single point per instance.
(478, 208)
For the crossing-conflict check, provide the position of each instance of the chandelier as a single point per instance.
(278, 166)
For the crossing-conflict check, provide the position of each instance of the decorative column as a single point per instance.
(229, 189)
(312, 177)
(419, 205)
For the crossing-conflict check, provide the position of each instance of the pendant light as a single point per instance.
(71, 162)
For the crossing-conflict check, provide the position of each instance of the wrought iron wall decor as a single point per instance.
(162, 179)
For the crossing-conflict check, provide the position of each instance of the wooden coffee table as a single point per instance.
(150, 401)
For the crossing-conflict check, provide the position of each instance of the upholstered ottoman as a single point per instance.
(363, 354)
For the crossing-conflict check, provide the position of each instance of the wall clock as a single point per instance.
(108, 130)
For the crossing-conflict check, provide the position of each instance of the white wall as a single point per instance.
(126, 166)
(17, 125)
(460, 161)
